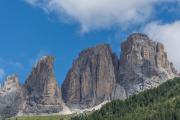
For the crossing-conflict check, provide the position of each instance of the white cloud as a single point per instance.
(95, 14)
(169, 34)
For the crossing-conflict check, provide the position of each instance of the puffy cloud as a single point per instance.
(169, 34)
(99, 14)
(95, 14)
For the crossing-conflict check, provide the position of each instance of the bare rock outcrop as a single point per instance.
(11, 83)
(92, 78)
(96, 76)
(42, 94)
(11, 97)
(143, 64)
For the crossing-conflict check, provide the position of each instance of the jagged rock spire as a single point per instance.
(42, 89)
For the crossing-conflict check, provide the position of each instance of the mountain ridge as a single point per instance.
(97, 75)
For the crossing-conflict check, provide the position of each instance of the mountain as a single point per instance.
(11, 84)
(161, 103)
(92, 78)
(97, 76)
(42, 94)
(143, 64)
(11, 97)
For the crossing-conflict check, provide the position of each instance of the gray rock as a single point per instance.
(42, 94)
(11, 83)
(92, 79)
(97, 75)
(118, 92)
(143, 64)
(11, 97)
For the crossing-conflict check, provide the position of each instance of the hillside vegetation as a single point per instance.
(161, 103)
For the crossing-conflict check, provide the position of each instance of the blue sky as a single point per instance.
(30, 29)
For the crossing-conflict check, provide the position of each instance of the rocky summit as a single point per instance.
(10, 84)
(42, 94)
(143, 64)
(96, 76)
(92, 78)
(11, 97)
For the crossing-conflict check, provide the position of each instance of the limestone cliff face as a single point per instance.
(97, 75)
(92, 78)
(11, 83)
(11, 97)
(41, 90)
(143, 64)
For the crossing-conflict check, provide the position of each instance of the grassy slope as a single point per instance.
(55, 117)
(162, 103)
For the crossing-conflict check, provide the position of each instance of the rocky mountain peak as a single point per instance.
(11, 83)
(41, 86)
(143, 64)
(95, 50)
(11, 97)
(96, 76)
(91, 79)
(137, 37)
(42, 79)
(44, 61)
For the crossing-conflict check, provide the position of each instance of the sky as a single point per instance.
(30, 29)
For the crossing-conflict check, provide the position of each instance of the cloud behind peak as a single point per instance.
(169, 34)
(100, 14)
